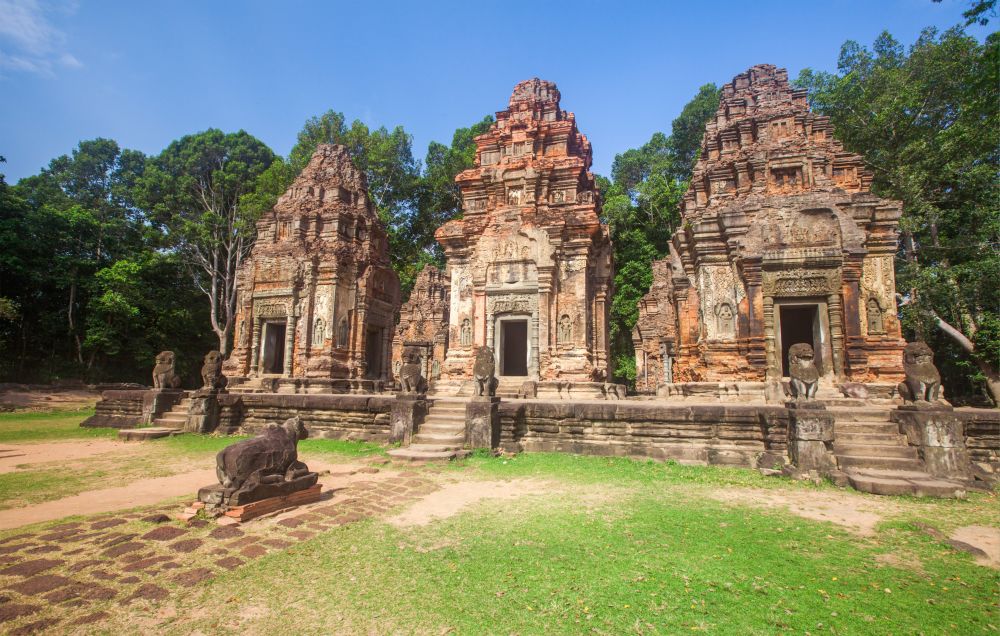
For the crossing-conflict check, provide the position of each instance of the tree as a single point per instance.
(927, 122)
(197, 190)
(642, 208)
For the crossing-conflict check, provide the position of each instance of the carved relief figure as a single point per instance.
(875, 321)
(923, 382)
(514, 196)
(319, 332)
(726, 327)
(163, 372)
(465, 335)
(565, 331)
(802, 370)
(343, 333)
(484, 373)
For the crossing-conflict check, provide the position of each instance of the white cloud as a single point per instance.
(29, 42)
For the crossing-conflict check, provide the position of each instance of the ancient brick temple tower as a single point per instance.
(530, 262)
(423, 323)
(782, 242)
(317, 297)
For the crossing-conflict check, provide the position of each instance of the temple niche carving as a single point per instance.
(530, 262)
(782, 243)
(423, 323)
(317, 297)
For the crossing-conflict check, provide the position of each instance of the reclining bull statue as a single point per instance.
(259, 468)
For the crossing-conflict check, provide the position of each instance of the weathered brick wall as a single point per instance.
(734, 434)
(982, 434)
(117, 409)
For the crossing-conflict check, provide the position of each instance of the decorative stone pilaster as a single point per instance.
(939, 437)
(810, 437)
(203, 413)
(482, 422)
(407, 414)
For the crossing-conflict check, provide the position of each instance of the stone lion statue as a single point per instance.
(265, 466)
(803, 371)
(484, 373)
(164, 376)
(922, 382)
(211, 371)
(411, 378)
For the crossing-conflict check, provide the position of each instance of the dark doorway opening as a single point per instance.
(274, 347)
(798, 324)
(514, 347)
(373, 352)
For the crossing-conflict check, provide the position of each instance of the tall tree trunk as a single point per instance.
(72, 323)
(988, 370)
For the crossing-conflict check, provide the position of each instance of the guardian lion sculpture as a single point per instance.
(164, 376)
(484, 373)
(922, 382)
(802, 370)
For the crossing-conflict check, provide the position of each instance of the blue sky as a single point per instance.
(146, 73)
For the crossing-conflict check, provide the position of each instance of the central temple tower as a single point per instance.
(530, 262)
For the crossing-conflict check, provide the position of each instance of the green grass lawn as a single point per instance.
(49, 426)
(658, 559)
(36, 483)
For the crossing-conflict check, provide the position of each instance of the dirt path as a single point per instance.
(986, 539)
(138, 493)
(452, 498)
(854, 513)
(14, 455)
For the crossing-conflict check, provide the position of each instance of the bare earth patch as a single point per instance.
(985, 538)
(24, 400)
(453, 497)
(14, 455)
(854, 513)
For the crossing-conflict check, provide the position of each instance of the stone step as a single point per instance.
(919, 484)
(873, 461)
(882, 428)
(859, 414)
(139, 434)
(876, 439)
(875, 450)
(442, 427)
(416, 454)
(171, 424)
(438, 438)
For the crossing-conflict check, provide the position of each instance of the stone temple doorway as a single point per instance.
(800, 323)
(514, 347)
(273, 354)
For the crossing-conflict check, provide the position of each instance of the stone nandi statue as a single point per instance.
(922, 382)
(802, 370)
(265, 466)
(164, 376)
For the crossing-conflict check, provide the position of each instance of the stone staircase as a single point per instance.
(170, 423)
(864, 437)
(440, 437)
(175, 417)
(877, 459)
